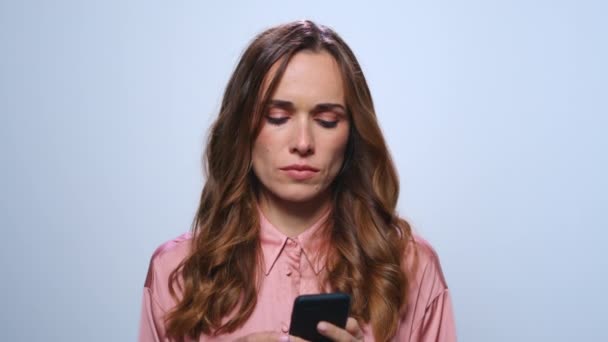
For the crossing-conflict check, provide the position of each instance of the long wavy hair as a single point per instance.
(367, 240)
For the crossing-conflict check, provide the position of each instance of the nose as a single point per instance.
(303, 140)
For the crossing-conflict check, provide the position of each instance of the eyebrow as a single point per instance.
(319, 108)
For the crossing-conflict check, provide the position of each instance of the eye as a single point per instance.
(327, 123)
(276, 121)
(327, 119)
(276, 116)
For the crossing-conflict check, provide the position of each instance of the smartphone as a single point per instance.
(309, 310)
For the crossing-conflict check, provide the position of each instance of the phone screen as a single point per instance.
(309, 310)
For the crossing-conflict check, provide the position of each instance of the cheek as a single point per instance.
(262, 151)
(267, 138)
(336, 150)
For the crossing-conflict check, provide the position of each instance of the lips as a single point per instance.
(300, 167)
(300, 172)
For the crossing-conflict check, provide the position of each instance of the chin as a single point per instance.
(297, 198)
(298, 193)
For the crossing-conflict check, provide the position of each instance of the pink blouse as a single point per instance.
(291, 268)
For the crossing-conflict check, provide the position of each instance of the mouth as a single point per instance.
(300, 167)
(300, 172)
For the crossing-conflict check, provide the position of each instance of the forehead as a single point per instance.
(310, 78)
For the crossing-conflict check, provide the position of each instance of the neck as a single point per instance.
(293, 218)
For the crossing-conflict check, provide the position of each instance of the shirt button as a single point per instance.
(284, 328)
(288, 272)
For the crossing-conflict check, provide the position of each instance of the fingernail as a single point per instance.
(322, 326)
(284, 338)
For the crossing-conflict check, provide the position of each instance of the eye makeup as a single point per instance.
(327, 115)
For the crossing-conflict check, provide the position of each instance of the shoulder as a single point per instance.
(428, 313)
(165, 259)
(424, 268)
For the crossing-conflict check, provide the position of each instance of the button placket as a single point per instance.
(291, 264)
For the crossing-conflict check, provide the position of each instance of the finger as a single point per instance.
(353, 327)
(265, 336)
(335, 333)
(292, 338)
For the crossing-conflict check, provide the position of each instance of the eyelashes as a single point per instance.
(279, 121)
(327, 124)
(276, 121)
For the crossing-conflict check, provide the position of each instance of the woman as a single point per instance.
(300, 198)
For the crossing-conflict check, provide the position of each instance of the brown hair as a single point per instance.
(367, 239)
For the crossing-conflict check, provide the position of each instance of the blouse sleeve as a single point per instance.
(151, 327)
(429, 316)
(437, 324)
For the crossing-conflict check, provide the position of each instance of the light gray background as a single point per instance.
(495, 111)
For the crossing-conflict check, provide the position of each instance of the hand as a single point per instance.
(351, 333)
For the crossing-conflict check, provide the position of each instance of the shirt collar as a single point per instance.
(273, 242)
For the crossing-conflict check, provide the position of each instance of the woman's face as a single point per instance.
(301, 145)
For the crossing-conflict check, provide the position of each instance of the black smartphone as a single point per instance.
(309, 310)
